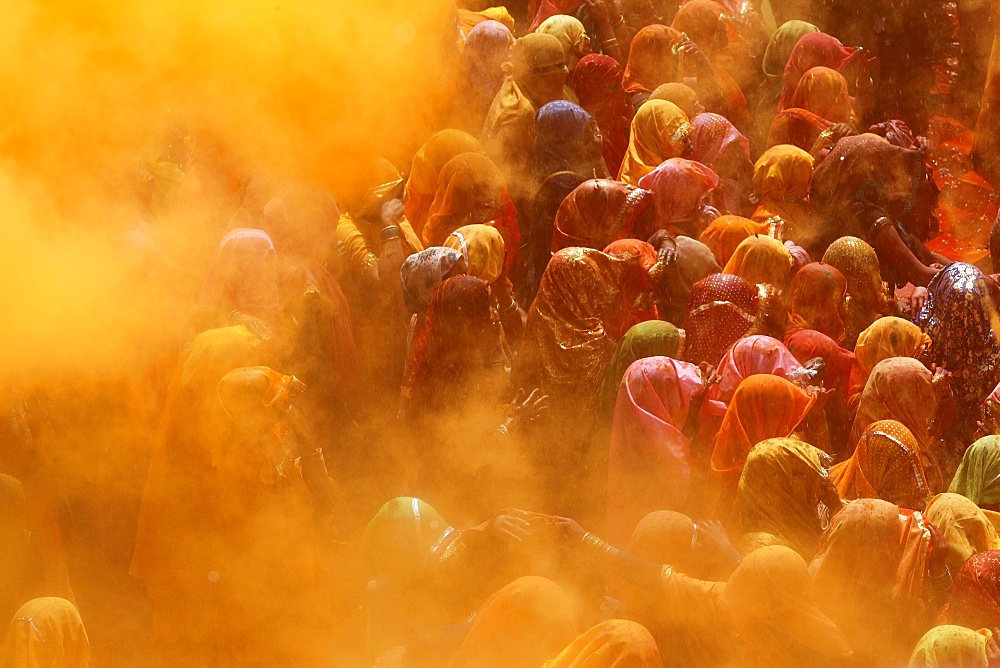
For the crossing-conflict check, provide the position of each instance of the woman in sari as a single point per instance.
(680, 94)
(964, 526)
(959, 316)
(597, 81)
(867, 295)
(683, 262)
(724, 234)
(782, 488)
(570, 33)
(781, 185)
(682, 194)
(813, 49)
(614, 642)
(815, 301)
(950, 645)
(652, 338)
(975, 596)
(887, 465)
(769, 264)
(651, 62)
(650, 460)
(750, 356)
(880, 576)
(487, 48)
(47, 632)
(598, 212)
(978, 475)
(428, 162)
(718, 145)
(808, 345)
(421, 275)
(805, 130)
(885, 338)
(776, 55)
(823, 92)
(722, 308)
(660, 130)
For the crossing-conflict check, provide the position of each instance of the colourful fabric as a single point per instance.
(400, 538)
(614, 643)
(778, 494)
(885, 465)
(867, 295)
(665, 537)
(950, 646)
(721, 309)
(432, 157)
(650, 462)
(651, 60)
(46, 632)
(964, 525)
(808, 344)
(823, 92)
(570, 33)
(549, 8)
(597, 80)
(567, 140)
(763, 261)
(782, 43)
(750, 356)
(716, 143)
(885, 338)
(725, 233)
(781, 183)
(770, 602)
(978, 476)
(523, 625)
(598, 212)
(652, 338)
(815, 300)
(797, 127)
(899, 388)
(423, 272)
(815, 49)
(660, 130)
(483, 248)
(764, 406)
(975, 594)
(680, 189)
(680, 94)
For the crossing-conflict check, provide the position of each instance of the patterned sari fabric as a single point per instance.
(823, 91)
(762, 261)
(950, 646)
(597, 80)
(778, 495)
(885, 338)
(680, 189)
(975, 596)
(717, 144)
(964, 525)
(598, 212)
(653, 338)
(650, 460)
(978, 476)
(812, 50)
(721, 310)
(753, 355)
(483, 249)
(815, 300)
(614, 643)
(423, 272)
(871, 576)
(959, 317)
(724, 234)
(781, 183)
(867, 295)
(651, 61)
(797, 127)
(428, 162)
(886, 465)
(660, 130)
(900, 389)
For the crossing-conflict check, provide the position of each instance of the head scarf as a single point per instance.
(885, 465)
(781, 175)
(652, 338)
(769, 600)
(549, 8)
(679, 189)
(885, 338)
(665, 537)
(701, 20)
(725, 233)
(815, 300)
(824, 92)
(778, 494)
(651, 60)
(866, 295)
(482, 247)
(660, 130)
(783, 41)
(423, 272)
(680, 94)
(432, 157)
(959, 317)
(570, 33)
(598, 212)
(694, 262)
(650, 460)
(244, 274)
(567, 140)
(975, 595)
(764, 406)
(751, 356)
(614, 643)
(871, 576)
(949, 646)
(978, 476)
(47, 632)
(521, 626)
(400, 538)
(898, 388)
(302, 222)
(721, 309)
(597, 81)
(797, 127)
(815, 49)
(716, 143)
(763, 261)
(808, 344)
(964, 525)
(896, 132)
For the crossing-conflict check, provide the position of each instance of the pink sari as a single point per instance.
(649, 465)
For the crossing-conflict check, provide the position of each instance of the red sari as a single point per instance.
(721, 309)
(597, 81)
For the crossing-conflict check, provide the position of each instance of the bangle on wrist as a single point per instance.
(503, 430)
(610, 42)
(510, 308)
(389, 232)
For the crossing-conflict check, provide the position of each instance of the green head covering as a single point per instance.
(978, 476)
(779, 49)
(400, 537)
(647, 339)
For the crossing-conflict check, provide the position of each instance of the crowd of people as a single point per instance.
(641, 360)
